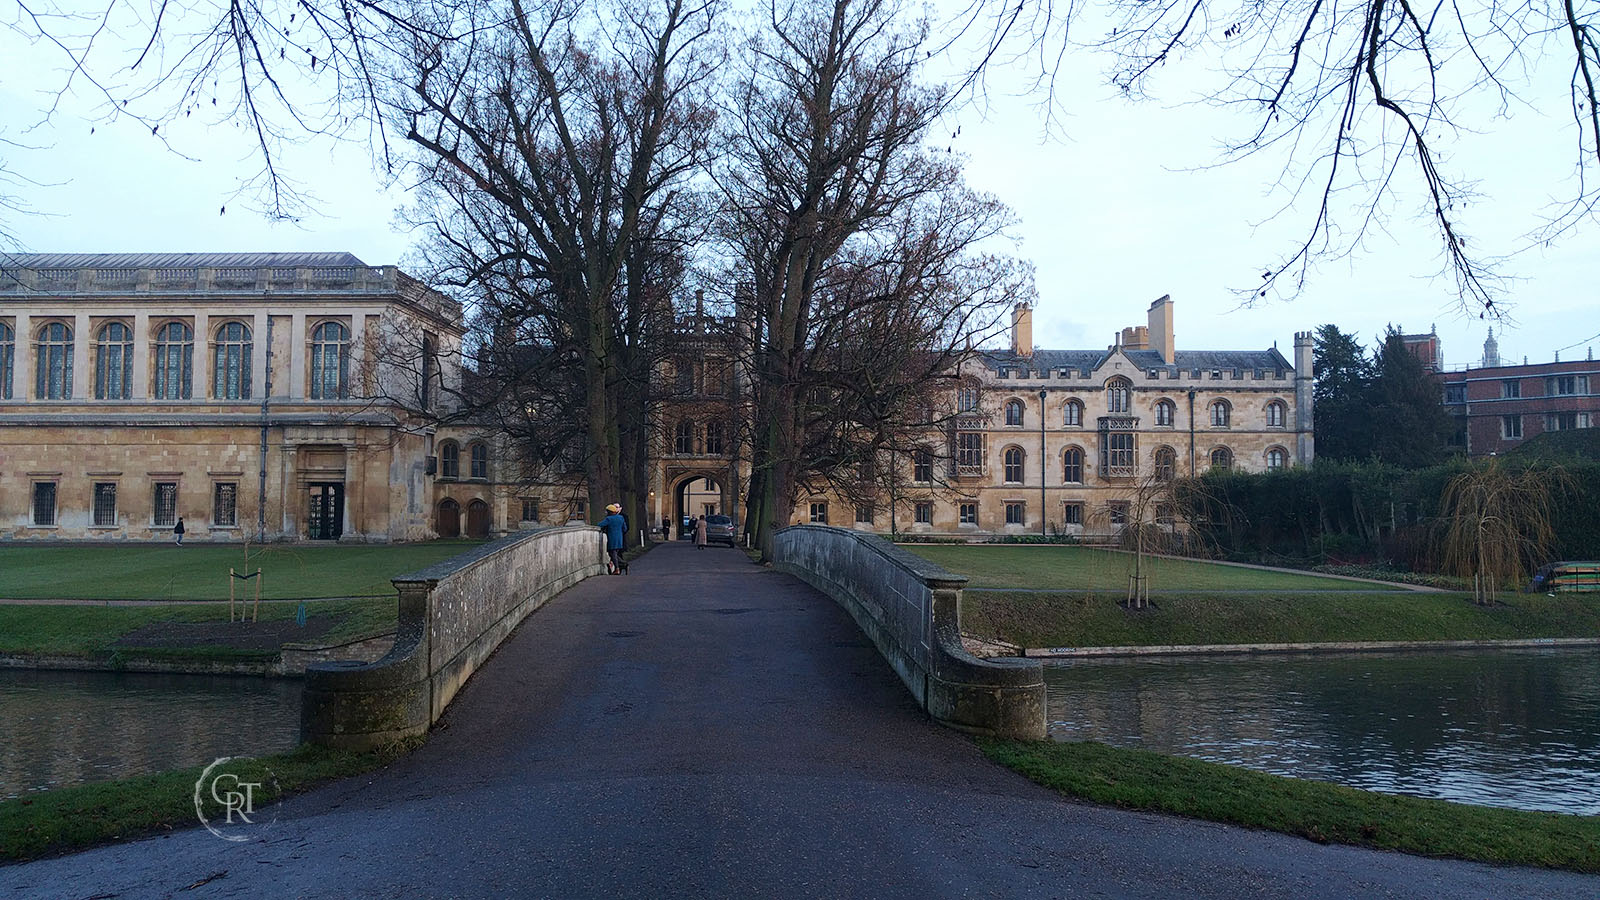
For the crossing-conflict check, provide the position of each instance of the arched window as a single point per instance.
(231, 362)
(113, 362)
(1166, 413)
(1013, 465)
(684, 439)
(1072, 414)
(449, 460)
(714, 438)
(1119, 396)
(174, 362)
(1166, 464)
(1013, 412)
(1275, 414)
(8, 355)
(330, 361)
(1277, 459)
(1222, 458)
(480, 460)
(1221, 414)
(1072, 466)
(54, 362)
(967, 400)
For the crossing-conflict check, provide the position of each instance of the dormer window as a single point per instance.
(1118, 396)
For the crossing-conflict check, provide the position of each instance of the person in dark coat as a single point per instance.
(614, 525)
(177, 531)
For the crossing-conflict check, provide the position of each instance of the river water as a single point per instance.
(64, 728)
(1517, 729)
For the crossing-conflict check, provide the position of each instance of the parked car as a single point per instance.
(719, 530)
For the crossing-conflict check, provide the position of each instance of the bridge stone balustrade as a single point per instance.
(452, 617)
(911, 610)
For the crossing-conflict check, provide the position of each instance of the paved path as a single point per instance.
(704, 728)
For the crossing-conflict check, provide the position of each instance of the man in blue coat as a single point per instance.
(615, 526)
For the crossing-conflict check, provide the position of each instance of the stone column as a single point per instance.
(81, 376)
(204, 357)
(141, 353)
(258, 355)
(22, 369)
(358, 353)
(297, 356)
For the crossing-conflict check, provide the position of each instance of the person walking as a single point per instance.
(700, 532)
(615, 526)
(177, 531)
(666, 528)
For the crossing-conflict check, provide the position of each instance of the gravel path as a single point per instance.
(706, 728)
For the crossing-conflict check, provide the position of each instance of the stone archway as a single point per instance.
(694, 494)
(477, 519)
(448, 522)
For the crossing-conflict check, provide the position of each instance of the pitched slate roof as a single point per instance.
(177, 260)
(1089, 360)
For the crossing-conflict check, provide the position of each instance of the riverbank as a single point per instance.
(73, 818)
(1034, 619)
(1325, 813)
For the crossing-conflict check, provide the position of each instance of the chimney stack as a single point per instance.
(1162, 340)
(1022, 330)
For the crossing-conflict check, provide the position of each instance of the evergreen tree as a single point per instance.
(1342, 396)
(1408, 421)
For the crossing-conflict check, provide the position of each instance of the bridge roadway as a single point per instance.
(706, 728)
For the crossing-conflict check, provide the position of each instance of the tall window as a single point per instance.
(1072, 466)
(819, 513)
(922, 466)
(44, 503)
(1166, 464)
(330, 361)
(1118, 511)
(1016, 512)
(54, 366)
(1276, 459)
(1072, 414)
(449, 460)
(174, 362)
(967, 400)
(969, 513)
(8, 354)
(1118, 454)
(1275, 414)
(166, 505)
(864, 515)
(231, 362)
(924, 513)
(480, 460)
(1511, 427)
(530, 509)
(1072, 513)
(1166, 413)
(225, 505)
(714, 438)
(1013, 465)
(430, 371)
(684, 442)
(113, 362)
(1119, 396)
(969, 450)
(1510, 388)
(105, 503)
(1222, 458)
(1221, 414)
(1013, 412)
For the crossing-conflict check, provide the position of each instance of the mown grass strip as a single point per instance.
(1091, 569)
(1139, 779)
(73, 818)
(1096, 620)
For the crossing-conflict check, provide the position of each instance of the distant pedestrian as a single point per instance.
(700, 532)
(615, 526)
(177, 531)
(666, 528)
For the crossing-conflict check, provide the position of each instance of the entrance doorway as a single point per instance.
(325, 511)
(449, 522)
(477, 519)
(695, 497)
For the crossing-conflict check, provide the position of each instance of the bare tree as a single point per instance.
(1498, 522)
(860, 248)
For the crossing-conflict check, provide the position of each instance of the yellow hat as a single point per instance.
(615, 507)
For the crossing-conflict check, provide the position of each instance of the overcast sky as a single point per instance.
(1114, 214)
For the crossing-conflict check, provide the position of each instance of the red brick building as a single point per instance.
(1498, 407)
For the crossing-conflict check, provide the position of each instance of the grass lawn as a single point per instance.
(90, 631)
(1088, 569)
(200, 571)
(1095, 620)
(1139, 779)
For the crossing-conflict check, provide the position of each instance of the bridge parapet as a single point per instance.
(911, 609)
(452, 617)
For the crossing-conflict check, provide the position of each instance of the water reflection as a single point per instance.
(1518, 729)
(63, 728)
